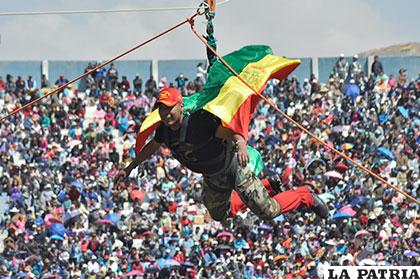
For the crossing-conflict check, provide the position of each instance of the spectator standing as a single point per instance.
(123, 120)
(190, 88)
(355, 68)
(124, 84)
(91, 86)
(100, 78)
(402, 78)
(201, 72)
(151, 86)
(306, 88)
(112, 76)
(60, 82)
(181, 82)
(2, 87)
(100, 74)
(44, 82)
(93, 266)
(20, 83)
(377, 67)
(31, 84)
(341, 67)
(248, 271)
(2, 92)
(137, 84)
(10, 84)
(198, 85)
(89, 67)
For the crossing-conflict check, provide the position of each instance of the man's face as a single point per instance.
(171, 116)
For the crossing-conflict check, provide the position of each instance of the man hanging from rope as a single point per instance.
(201, 143)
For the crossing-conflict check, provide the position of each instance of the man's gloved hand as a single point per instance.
(243, 155)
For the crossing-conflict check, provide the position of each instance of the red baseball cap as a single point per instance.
(169, 97)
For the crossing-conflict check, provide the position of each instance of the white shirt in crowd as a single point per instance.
(93, 266)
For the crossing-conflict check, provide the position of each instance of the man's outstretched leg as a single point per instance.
(302, 196)
(237, 205)
(251, 192)
(256, 197)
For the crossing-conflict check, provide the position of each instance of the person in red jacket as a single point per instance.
(2, 86)
(179, 256)
(137, 265)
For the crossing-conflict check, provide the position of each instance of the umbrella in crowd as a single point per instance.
(341, 215)
(74, 143)
(383, 117)
(58, 229)
(77, 185)
(404, 112)
(367, 262)
(137, 243)
(105, 222)
(341, 167)
(49, 218)
(358, 201)
(411, 254)
(386, 152)
(48, 275)
(32, 258)
(171, 263)
(265, 227)
(224, 247)
(71, 217)
(362, 233)
(333, 174)
(316, 97)
(352, 90)
(135, 273)
(114, 218)
(313, 164)
(280, 258)
(152, 269)
(188, 264)
(346, 146)
(225, 234)
(57, 237)
(21, 254)
(137, 195)
(348, 210)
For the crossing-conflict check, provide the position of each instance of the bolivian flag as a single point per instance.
(406, 47)
(225, 95)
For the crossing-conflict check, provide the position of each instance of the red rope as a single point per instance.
(98, 67)
(296, 123)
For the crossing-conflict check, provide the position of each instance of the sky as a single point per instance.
(293, 28)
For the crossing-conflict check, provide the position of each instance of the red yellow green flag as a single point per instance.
(225, 95)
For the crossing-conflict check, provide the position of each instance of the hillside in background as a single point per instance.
(407, 49)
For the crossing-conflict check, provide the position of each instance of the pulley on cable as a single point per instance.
(210, 13)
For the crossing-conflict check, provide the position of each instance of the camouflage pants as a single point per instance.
(218, 191)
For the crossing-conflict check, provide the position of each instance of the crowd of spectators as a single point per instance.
(63, 217)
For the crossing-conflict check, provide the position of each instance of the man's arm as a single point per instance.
(144, 154)
(147, 151)
(239, 141)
